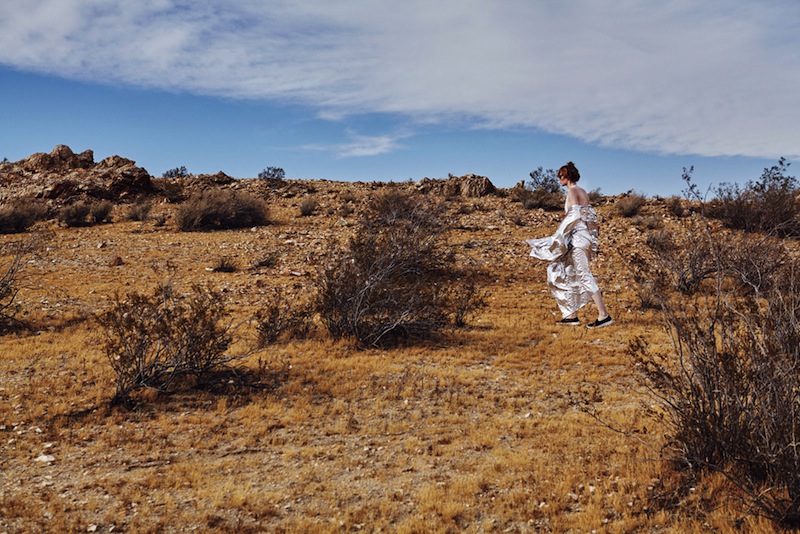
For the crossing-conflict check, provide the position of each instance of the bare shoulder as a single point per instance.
(578, 195)
(581, 197)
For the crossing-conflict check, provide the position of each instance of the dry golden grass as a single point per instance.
(479, 432)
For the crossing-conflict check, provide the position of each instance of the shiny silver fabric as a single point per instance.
(569, 250)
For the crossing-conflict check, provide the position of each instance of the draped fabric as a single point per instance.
(569, 250)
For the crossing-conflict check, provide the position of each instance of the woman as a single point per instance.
(569, 251)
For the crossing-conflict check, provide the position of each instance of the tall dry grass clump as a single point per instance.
(630, 203)
(18, 216)
(221, 209)
(730, 386)
(397, 278)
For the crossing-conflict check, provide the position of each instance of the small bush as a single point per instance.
(74, 215)
(397, 278)
(139, 211)
(12, 278)
(648, 223)
(683, 265)
(177, 172)
(272, 173)
(173, 191)
(308, 206)
(675, 206)
(160, 219)
(221, 209)
(19, 216)
(282, 319)
(630, 204)
(100, 212)
(546, 181)
(730, 387)
(543, 191)
(9, 288)
(769, 204)
(595, 196)
(166, 341)
(225, 264)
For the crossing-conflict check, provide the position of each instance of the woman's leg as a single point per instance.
(602, 312)
(587, 282)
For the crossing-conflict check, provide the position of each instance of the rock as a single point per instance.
(45, 458)
(62, 176)
(469, 185)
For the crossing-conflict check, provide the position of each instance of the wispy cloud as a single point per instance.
(360, 145)
(710, 78)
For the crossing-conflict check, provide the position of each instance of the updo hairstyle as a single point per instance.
(570, 172)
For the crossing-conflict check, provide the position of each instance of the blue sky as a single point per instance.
(632, 91)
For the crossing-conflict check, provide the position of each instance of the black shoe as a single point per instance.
(600, 323)
(569, 322)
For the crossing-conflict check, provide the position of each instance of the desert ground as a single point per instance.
(510, 424)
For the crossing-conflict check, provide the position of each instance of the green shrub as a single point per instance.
(543, 191)
(221, 209)
(177, 172)
(272, 173)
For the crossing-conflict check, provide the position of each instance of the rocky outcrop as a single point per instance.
(62, 175)
(469, 185)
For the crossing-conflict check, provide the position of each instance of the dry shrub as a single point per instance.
(539, 199)
(730, 386)
(675, 206)
(10, 286)
(681, 262)
(12, 278)
(308, 206)
(100, 212)
(166, 341)
(692, 260)
(282, 318)
(397, 277)
(17, 217)
(75, 214)
(221, 209)
(769, 204)
(630, 204)
(225, 264)
(139, 211)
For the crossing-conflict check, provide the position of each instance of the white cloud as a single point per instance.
(711, 78)
(361, 145)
